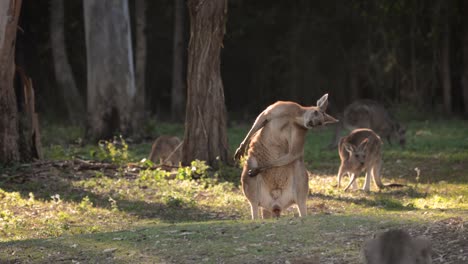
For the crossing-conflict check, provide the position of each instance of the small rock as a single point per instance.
(109, 250)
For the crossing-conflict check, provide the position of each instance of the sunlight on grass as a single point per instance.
(144, 214)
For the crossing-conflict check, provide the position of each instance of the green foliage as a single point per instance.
(115, 151)
(85, 204)
(198, 169)
(114, 206)
(156, 174)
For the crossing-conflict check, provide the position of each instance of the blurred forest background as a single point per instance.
(111, 66)
(411, 52)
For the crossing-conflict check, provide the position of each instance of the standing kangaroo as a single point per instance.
(274, 175)
(370, 114)
(361, 150)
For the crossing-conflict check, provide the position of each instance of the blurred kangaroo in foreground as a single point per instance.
(361, 151)
(166, 150)
(397, 247)
(274, 175)
(367, 113)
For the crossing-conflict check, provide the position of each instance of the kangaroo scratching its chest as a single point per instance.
(274, 175)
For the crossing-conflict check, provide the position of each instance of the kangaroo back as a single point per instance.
(397, 247)
(166, 150)
(373, 115)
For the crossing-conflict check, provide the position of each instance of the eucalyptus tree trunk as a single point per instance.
(140, 63)
(465, 57)
(111, 80)
(63, 73)
(9, 136)
(178, 77)
(205, 121)
(445, 62)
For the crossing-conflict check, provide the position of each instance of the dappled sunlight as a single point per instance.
(126, 214)
(22, 218)
(412, 198)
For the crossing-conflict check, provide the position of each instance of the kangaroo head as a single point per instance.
(316, 116)
(357, 154)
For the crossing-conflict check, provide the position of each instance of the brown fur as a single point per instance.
(370, 114)
(361, 151)
(274, 175)
(166, 150)
(397, 247)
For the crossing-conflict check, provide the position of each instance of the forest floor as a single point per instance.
(99, 204)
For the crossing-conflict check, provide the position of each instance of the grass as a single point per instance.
(55, 213)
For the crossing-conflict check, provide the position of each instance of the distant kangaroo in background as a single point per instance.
(397, 247)
(166, 150)
(274, 175)
(370, 114)
(361, 151)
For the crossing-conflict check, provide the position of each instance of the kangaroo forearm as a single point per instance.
(259, 123)
(257, 126)
(282, 161)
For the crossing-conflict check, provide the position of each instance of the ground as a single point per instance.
(91, 204)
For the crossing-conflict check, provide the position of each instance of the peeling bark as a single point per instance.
(205, 125)
(9, 136)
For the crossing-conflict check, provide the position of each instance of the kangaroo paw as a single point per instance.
(253, 172)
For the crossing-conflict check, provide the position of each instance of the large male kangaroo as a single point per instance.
(274, 175)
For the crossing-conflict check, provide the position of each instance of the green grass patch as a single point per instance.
(56, 213)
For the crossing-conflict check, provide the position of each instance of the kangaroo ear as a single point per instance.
(348, 147)
(363, 144)
(322, 103)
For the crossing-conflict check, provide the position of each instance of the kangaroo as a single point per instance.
(361, 150)
(367, 113)
(397, 247)
(166, 150)
(274, 175)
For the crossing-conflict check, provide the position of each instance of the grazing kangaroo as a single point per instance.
(397, 247)
(361, 150)
(166, 150)
(274, 175)
(370, 114)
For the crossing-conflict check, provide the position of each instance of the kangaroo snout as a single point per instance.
(313, 123)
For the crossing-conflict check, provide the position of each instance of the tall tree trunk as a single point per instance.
(178, 77)
(445, 64)
(205, 122)
(111, 80)
(9, 145)
(414, 74)
(140, 63)
(465, 57)
(63, 72)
